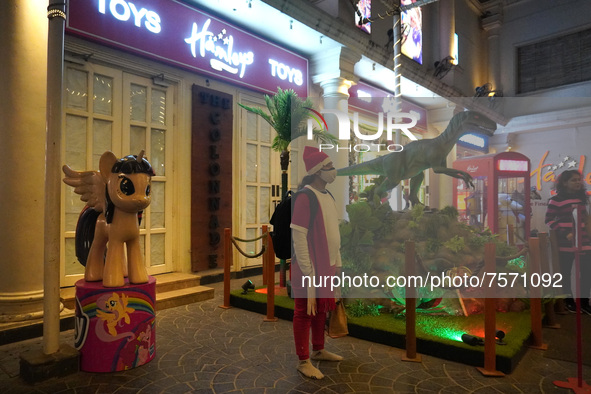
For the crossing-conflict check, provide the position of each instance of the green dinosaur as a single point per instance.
(417, 156)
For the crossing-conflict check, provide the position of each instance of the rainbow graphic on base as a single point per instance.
(115, 327)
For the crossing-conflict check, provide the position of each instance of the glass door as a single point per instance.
(147, 121)
(260, 178)
(92, 101)
(106, 109)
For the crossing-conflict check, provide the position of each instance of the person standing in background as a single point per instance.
(559, 217)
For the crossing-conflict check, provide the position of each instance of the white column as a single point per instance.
(333, 71)
(447, 28)
(439, 184)
(336, 96)
(53, 175)
(492, 25)
(23, 25)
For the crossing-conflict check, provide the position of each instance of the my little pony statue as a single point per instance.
(115, 198)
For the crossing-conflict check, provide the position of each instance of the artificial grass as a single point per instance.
(439, 336)
(449, 329)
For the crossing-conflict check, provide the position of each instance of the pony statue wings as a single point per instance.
(115, 198)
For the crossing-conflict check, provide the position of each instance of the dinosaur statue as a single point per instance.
(418, 156)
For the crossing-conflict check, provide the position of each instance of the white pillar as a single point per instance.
(397, 52)
(333, 71)
(53, 175)
(23, 67)
(439, 184)
(492, 25)
(336, 96)
(447, 28)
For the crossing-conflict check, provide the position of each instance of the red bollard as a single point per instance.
(490, 317)
(535, 299)
(411, 306)
(264, 229)
(270, 269)
(227, 264)
(545, 263)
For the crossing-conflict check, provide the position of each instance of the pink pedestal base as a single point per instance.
(115, 326)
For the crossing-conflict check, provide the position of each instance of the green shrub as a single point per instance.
(450, 211)
(455, 244)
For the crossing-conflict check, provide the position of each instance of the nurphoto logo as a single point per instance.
(348, 123)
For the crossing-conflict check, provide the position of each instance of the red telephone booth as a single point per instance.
(500, 197)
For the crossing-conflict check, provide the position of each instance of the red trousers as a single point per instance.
(302, 323)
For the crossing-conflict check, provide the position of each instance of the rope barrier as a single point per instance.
(251, 240)
(251, 256)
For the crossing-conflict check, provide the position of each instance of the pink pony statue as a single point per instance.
(115, 198)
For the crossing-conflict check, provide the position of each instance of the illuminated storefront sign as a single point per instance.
(362, 12)
(513, 165)
(474, 141)
(177, 34)
(412, 32)
(547, 173)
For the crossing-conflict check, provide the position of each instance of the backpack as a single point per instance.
(281, 221)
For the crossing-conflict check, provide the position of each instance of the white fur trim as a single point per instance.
(318, 166)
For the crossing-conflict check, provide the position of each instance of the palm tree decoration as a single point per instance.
(287, 115)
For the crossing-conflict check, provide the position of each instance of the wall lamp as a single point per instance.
(159, 80)
(486, 90)
(77, 58)
(444, 66)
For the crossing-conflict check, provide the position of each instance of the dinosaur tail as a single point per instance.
(374, 167)
(85, 233)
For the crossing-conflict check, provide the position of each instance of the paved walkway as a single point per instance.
(201, 348)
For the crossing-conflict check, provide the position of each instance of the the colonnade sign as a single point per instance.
(180, 35)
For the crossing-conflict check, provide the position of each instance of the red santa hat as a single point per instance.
(314, 159)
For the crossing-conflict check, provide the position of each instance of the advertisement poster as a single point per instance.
(412, 32)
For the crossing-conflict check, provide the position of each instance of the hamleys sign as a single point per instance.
(175, 33)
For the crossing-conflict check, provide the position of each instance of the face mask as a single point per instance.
(328, 176)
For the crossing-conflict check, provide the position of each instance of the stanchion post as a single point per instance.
(270, 253)
(535, 299)
(490, 317)
(227, 264)
(264, 228)
(510, 234)
(578, 385)
(411, 305)
(545, 264)
(560, 308)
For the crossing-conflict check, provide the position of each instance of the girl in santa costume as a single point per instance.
(316, 242)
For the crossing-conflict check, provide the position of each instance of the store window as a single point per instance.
(555, 62)
(107, 109)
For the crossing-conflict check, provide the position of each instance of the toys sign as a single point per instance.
(177, 34)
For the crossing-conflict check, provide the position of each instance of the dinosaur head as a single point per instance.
(475, 122)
